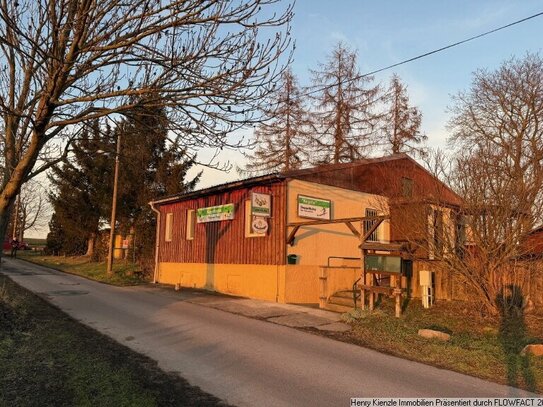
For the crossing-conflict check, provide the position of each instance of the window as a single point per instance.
(369, 223)
(168, 229)
(189, 234)
(249, 232)
(407, 187)
(435, 238)
(460, 234)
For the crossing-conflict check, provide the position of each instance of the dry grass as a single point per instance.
(123, 273)
(482, 347)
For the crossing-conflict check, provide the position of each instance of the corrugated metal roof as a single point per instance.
(275, 177)
(357, 163)
(221, 188)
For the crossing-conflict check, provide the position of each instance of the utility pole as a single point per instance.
(114, 208)
(16, 217)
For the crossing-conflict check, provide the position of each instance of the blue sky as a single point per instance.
(386, 32)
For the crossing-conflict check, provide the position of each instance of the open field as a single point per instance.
(124, 273)
(35, 241)
(481, 347)
(49, 359)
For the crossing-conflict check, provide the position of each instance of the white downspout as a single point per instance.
(157, 240)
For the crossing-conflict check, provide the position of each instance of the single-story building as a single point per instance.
(239, 237)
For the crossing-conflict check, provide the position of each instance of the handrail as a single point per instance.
(356, 295)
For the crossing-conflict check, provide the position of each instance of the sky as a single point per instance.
(386, 32)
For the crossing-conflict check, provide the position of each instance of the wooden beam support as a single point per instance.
(389, 247)
(353, 229)
(378, 221)
(343, 220)
(292, 235)
(296, 226)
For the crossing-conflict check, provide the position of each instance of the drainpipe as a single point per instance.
(157, 239)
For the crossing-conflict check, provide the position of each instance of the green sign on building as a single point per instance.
(314, 208)
(215, 213)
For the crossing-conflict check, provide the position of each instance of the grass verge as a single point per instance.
(49, 359)
(481, 347)
(123, 273)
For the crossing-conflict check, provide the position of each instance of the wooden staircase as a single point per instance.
(342, 301)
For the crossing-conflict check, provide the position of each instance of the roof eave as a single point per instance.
(219, 188)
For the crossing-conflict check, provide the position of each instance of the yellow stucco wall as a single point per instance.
(285, 284)
(315, 244)
(117, 251)
(260, 281)
(301, 284)
(339, 278)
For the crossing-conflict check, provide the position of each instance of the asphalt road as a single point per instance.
(243, 361)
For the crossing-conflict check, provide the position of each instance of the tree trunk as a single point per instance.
(13, 180)
(91, 243)
(4, 221)
(16, 217)
(22, 230)
(21, 215)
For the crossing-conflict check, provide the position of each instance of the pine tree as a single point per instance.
(55, 237)
(401, 122)
(58, 242)
(282, 143)
(345, 117)
(81, 191)
(151, 167)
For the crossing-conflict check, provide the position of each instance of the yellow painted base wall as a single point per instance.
(247, 280)
(284, 284)
(302, 284)
(339, 278)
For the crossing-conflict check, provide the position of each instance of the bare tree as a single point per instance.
(65, 62)
(499, 172)
(499, 120)
(475, 243)
(345, 116)
(497, 169)
(282, 143)
(31, 209)
(401, 122)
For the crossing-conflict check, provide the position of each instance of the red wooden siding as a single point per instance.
(533, 243)
(224, 242)
(384, 177)
(381, 177)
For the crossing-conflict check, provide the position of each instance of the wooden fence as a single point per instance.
(527, 276)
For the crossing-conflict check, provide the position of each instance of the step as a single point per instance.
(338, 308)
(379, 289)
(345, 293)
(342, 301)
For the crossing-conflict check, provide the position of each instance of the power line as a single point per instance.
(503, 27)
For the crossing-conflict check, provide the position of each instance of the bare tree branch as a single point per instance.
(211, 63)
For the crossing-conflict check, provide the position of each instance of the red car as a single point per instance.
(22, 245)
